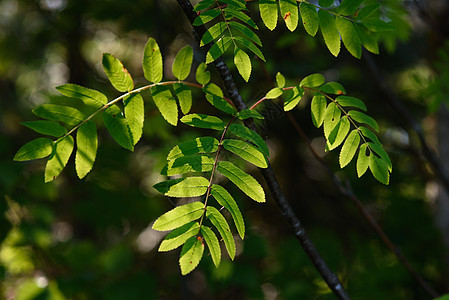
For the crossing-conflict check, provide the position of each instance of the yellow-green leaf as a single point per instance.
(217, 219)
(179, 236)
(165, 103)
(37, 148)
(59, 158)
(213, 244)
(117, 74)
(179, 216)
(349, 148)
(183, 187)
(205, 144)
(86, 144)
(191, 255)
(243, 63)
(152, 61)
(246, 151)
(183, 63)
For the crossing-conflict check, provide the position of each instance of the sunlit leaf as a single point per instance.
(179, 216)
(206, 16)
(313, 80)
(349, 36)
(205, 144)
(274, 93)
(333, 88)
(347, 101)
(382, 153)
(249, 113)
(190, 163)
(183, 63)
(245, 43)
(203, 121)
(152, 62)
(86, 144)
(179, 236)
(217, 219)
(59, 158)
(293, 98)
(289, 11)
(269, 13)
(183, 187)
(37, 148)
(338, 134)
(202, 75)
(46, 127)
(117, 74)
(88, 96)
(60, 113)
(118, 127)
(280, 80)
(245, 32)
(379, 169)
(191, 255)
(165, 103)
(368, 39)
(363, 119)
(318, 109)
(309, 17)
(213, 244)
(249, 135)
(217, 49)
(246, 151)
(134, 114)
(243, 63)
(184, 95)
(234, 13)
(363, 160)
(213, 33)
(349, 148)
(329, 30)
(331, 118)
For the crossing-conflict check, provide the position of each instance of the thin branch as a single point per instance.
(329, 277)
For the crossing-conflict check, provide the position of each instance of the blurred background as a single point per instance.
(92, 238)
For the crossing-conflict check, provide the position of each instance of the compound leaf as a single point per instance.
(179, 216)
(152, 61)
(35, 149)
(86, 144)
(213, 244)
(165, 103)
(59, 158)
(246, 151)
(191, 255)
(88, 96)
(183, 63)
(118, 127)
(242, 180)
(118, 75)
(179, 236)
(46, 127)
(217, 219)
(183, 187)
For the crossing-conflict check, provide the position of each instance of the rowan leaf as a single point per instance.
(183, 63)
(179, 236)
(86, 144)
(349, 148)
(312, 80)
(249, 135)
(59, 158)
(205, 144)
(330, 32)
(363, 119)
(190, 163)
(165, 103)
(293, 98)
(368, 39)
(246, 32)
(61, 113)
(382, 153)
(325, 3)
(243, 63)
(202, 5)
(331, 118)
(309, 17)
(363, 160)
(245, 43)
(280, 80)
(183, 187)
(379, 169)
(349, 36)
(289, 11)
(213, 33)
(333, 88)
(184, 95)
(269, 13)
(347, 101)
(88, 96)
(217, 49)
(152, 62)
(134, 114)
(318, 109)
(249, 113)
(191, 255)
(35, 149)
(179, 216)
(246, 151)
(230, 12)
(274, 93)
(217, 219)
(202, 75)
(117, 74)
(369, 134)
(338, 134)
(349, 7)
(227, 201)
(118, 127)
(203, 121)
(213, 244)
(377, 25)
(46, 127)
(242, 180)
(206, 16)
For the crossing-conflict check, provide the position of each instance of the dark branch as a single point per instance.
(329, 277)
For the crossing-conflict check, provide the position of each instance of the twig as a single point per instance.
(329, 277)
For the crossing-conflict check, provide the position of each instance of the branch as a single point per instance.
(412, 123)
(329, 277)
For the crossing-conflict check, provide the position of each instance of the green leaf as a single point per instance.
(249, 135)
(117, 74)
(213, 33)
(184, 95)
(363, 160)
(309, 17)
(347, 101)
(369, 41)
(329, 31)
(377, 25)
(382, 153)
(217, 219)
(289, 11)
(293, 98)
(233, 13)
(249, 113)
(368, 11)
(280, 80)
(269, 13)
(213, 89)
(245, 43)
(331, 118)
(206, 16)
(203, 121)
(225, 199)
(190, 163)
(166, 103)
(369, 134)
(86, 143)
(88, 96)
(243, 63)
(37, 148)
(183, 187)
(152, 61)
(349, 36)
(179, 236)
(318, 109)
(183, 63)
(379, 169)
(274, 93)
(191, 255)
(338, 134)
(246, 32)
(134, 114)
(205, 144)
(312, 80)
(203, 5)
(46, 127)
(363, 119)
(246, 151)
(325, 3)
(118, 127)
(242, 180)
(333, 88)
(202, 76)
(349, 7)
(60, 113)
(349, 148)
(221, 104)
(238, 4)
(179, 216)
(218, 49)
(213, 244)
(59, 158)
